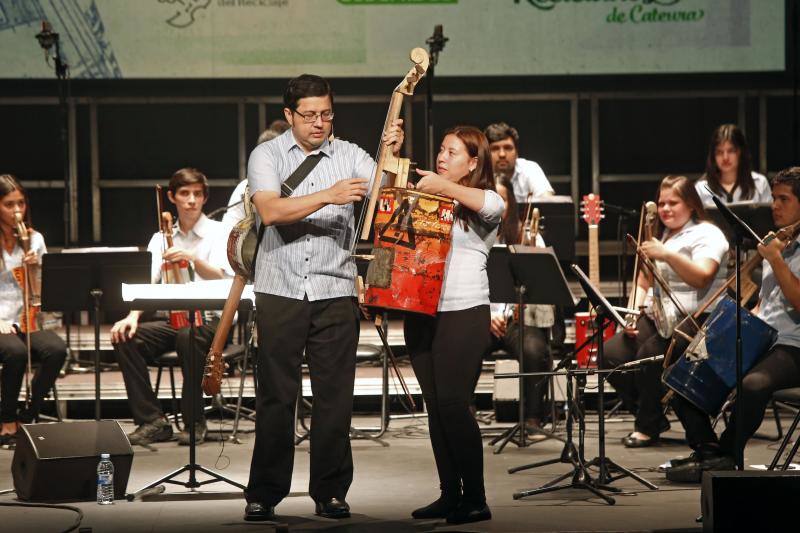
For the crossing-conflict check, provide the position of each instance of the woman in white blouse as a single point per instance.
(47, 348)
(446, 350)
(687, 251)
(729, 172)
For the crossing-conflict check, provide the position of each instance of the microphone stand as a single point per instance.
(624, 215)
(435, 44)
(740, 231)
(47, 39)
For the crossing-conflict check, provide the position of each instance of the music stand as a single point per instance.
(604, 315)
(524, 275)
(757, 217)
(558, 223)
(157, 303)
(91, 281)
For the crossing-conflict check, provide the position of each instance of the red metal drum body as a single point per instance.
(412, 240)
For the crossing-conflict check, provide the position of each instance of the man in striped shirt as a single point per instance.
(305, 296)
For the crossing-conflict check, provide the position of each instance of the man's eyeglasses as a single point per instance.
(311, 117)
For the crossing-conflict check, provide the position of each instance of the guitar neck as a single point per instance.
(594, 256)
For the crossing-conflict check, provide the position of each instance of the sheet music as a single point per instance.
(216, 289)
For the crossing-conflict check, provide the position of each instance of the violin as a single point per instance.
(174, 271)
(27, 276)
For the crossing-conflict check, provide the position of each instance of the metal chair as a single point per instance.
(790, 398)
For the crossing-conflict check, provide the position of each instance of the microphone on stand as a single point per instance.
(640, 362)
(621, 211)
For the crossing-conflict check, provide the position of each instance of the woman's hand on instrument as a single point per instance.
(631, 331)
(124, 329)
(772, 251)
(498, 326)
(654, 249)
(394, 136)
(30, 258)
(175, 254)
(431, 182)
(347, 191)
(6, 328)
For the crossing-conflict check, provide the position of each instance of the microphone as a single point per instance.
(621, 211)
(639, 362)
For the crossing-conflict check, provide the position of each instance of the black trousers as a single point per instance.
(328, 331)
(535, 358)
(49, 351)
(778, 369)
(151, 340)
(446, 353)
(641, 391)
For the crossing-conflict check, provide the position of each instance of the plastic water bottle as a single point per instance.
(105, 480)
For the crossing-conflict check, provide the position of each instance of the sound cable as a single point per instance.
(75, 525)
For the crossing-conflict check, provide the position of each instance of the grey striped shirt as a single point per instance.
(310, 257)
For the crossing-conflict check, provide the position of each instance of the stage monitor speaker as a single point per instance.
(58, 462)
(752, 500)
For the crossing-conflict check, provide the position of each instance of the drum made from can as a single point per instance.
(412, 240)
(706, 381)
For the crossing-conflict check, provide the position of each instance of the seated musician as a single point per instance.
(527, 177)
(201, 242)
(47, 348)
(446, 351)
(687, 252)
(778, 306)
(538, 320)
(729, 172)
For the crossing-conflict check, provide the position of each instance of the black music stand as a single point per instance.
(524, 275)
(605, 314)
(91, 281)
(757, 217)
(558, 223)
(192, 305)
(741, 232)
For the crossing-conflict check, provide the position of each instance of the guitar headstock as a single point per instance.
(421, 61)
(592, 209)
(166, 223)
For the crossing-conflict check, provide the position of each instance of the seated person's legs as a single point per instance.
(192, 392)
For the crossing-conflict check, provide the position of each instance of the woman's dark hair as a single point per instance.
(686, 192)
(9, 184)
(789, 176)
(304, 86)
(744, 174)
(482, 176)
(509, 227)
(188, 176)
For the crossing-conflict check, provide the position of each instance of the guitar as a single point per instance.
(592, 209)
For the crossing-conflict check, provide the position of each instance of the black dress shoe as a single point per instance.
(630, 441)
(259, 512)
(692, 471)
(332, 508)
(469, 512)
(441, 508)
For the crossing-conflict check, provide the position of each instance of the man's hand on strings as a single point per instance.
(347, 191)
(176, 254)
(772, 251)
(394, 136)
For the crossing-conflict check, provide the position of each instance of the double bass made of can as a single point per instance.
(411, 244)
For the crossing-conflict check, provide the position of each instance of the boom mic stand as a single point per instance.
(435, 44)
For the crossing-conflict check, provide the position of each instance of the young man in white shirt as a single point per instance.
(527, 176)
(201, 242)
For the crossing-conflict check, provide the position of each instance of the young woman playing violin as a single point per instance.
(687, 251)
(47, 348)
(446, 350)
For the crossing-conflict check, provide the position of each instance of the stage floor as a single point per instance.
(389, 482)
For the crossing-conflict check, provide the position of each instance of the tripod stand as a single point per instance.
(581, 477)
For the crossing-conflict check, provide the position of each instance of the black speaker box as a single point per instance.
(751, 500)
(58, 462)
